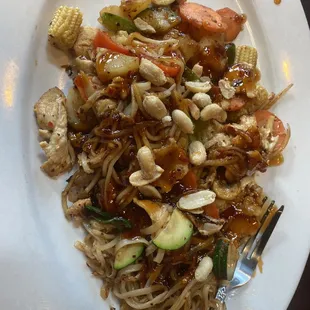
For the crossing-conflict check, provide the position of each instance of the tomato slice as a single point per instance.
(262, 117)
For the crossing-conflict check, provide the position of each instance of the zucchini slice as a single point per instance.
(225, 259)
(115, 23)
(176, 233)
(127, 255)
(162, 19)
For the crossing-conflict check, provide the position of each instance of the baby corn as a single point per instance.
(65, 27)
(246, 54)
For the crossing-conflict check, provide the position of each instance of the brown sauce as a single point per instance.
(138, 218)
(213, 59)
(276, 161)
(174, 161)
(239, 224)
(243, 77)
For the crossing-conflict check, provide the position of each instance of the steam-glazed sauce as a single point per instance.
(243, 77)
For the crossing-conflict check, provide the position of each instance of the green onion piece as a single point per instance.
(231, 53)
(106, 218)
(115, 23)
(189, 75)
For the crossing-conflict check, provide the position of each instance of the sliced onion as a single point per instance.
(160, 256)
(125, 242)
(161, 221)
(150, 249)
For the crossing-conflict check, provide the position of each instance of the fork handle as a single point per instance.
(221, 294)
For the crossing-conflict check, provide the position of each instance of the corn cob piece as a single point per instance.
(65, 27)
(262, 95)
(246, 54)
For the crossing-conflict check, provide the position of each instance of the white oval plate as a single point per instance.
(39, 267)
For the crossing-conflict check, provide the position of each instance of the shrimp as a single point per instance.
(201, 16)
(234, 23)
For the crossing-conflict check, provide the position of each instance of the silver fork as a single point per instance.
(251, 253)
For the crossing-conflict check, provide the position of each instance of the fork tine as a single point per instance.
(266, 234)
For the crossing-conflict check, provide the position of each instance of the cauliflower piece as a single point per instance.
(152, 72)
(52, 117)
(84, 41)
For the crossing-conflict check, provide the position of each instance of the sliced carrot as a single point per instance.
(102, 39)
(201, 16)
(262, 117)
(212, 210)
(233, 22)
(80, 82)
(84, 85)
(172, 70)
(169, 70)
(190, 180)
(236, 104)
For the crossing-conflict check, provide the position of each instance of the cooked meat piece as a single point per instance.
(84, 41)
(78, 207)
(52, 120)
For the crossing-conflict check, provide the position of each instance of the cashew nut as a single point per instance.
(198, 87)
(154, 107)
(194, 110)
(146, 161)
(149, 170)
(197, 153)
(137, 178)
(166, 120)
(183, 121)
(213, 111)
(202, 100)
(227, 90)
(152, 72)
(204, 269)
(198, 69)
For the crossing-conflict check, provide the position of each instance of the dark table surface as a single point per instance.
(301, 300)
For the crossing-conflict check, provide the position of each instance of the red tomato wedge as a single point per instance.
(102, 39)
(212, 211)
(262, 117)
(233, 22)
